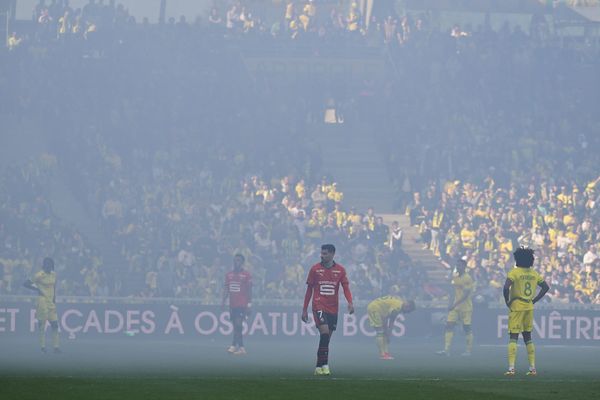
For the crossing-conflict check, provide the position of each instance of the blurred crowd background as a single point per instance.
(179, 156)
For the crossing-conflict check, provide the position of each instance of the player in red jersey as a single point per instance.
(238, 287)
(323, 284)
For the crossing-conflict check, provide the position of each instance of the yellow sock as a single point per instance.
(531, 354)
(448, 340)
(469, 342)
(55, 341)
(512, 353)
(380, 340)
(42, 332)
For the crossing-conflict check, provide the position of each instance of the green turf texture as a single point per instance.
(264, 388)
(133, 370)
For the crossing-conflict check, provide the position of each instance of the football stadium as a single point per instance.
(291, 199)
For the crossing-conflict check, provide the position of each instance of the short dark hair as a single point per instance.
(524, 257)
(328, 247)
(48, 263)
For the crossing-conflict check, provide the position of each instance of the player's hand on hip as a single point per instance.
(350, 308)
(305, 316)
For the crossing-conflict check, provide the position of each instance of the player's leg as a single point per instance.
(55, 337)
(527, 328)
(42, 334)
(53, 317)
(467, 328)
(235, 321)
(326, 324)
(241, 315)
(515, 327)
(377, 324)
(41, 314)
(449, 332)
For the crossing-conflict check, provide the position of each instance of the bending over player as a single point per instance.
(323, 283)
(382, 314)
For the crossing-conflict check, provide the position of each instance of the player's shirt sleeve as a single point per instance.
(344, 279)
(310, 280)
(511, 275)
(346, 287)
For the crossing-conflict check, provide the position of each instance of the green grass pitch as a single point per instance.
(132, 369)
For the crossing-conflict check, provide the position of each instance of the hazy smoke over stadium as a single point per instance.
(170, 169)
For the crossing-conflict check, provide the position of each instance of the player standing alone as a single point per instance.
(238, 287)
(44, 283)
(323, 283)
(519, 291)
(461, 308)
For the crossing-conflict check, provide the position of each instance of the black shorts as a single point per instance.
(238, 312)
(325, 318)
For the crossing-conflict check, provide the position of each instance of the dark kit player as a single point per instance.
(323, 283)
(238, 287)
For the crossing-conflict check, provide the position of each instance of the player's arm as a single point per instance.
(506, 291)
(542, 292)
(30, 285)
(389, 323)
(307, 296)
(249, 294)
(348, 295)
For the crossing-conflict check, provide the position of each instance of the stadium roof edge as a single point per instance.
(482, 6)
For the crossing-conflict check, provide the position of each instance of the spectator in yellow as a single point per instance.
(353, 20)
(467, 236)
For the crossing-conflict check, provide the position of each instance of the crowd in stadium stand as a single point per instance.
(485, 224)
(29, 230)
(481, 123)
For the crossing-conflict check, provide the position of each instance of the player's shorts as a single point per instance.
(463, 315)
(520, 321)
(238, 312)
(325, 318)
(375, 317)
(46, 310)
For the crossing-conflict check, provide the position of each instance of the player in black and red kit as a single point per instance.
(238, 287)
(323, 284)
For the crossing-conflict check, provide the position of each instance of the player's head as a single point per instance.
(409, 306)
(327, 253)
(524, 257)
(48, 265)
(238, 261)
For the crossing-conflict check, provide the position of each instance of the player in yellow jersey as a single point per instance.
(520, 296)
(44, 283)
(461, 308)
(382, 314)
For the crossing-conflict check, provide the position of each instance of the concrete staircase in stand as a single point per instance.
(435, 270)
